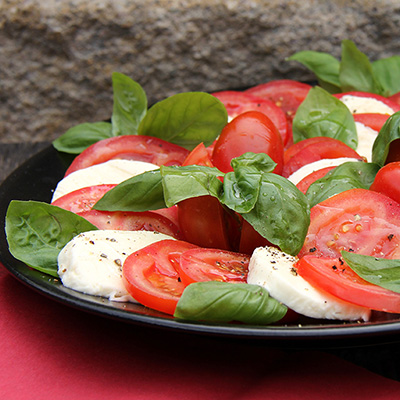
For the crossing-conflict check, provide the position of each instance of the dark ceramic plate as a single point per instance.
(36, 178)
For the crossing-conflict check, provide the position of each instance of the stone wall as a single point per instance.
(56, 57)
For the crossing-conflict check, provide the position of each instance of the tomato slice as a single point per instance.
(251, 131)
(395, 98)
(337, 278)
(387, 181)
(237, 103)
(132, 221)
(358, 220)
(131, 147)
(373, 120)
(305, 183)
(313, 149)
(201, 264)
(250, 239)
(151, 277)
(199, 156)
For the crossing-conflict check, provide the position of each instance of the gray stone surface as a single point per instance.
(56, 57)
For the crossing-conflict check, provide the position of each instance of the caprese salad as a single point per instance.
(244, 206)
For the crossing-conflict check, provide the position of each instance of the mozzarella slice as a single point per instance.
(274, 270)
(113, 171)
(366, 139)
(92, 262)
(307, 169)
(361, 105)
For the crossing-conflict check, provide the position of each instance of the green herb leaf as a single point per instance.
(130, 105)
(79, 137)
(322, 114)
(186, 119)
(36, 232)
(387, 72)
(346, 176)
(226, 302)
(325, 67)
(378, 271)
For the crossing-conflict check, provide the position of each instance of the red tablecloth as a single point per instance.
(51, 351)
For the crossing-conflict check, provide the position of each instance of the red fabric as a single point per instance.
(51, 351)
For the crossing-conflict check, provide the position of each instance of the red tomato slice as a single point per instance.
(393, 105)
(132, 221)
(373, 121)
(313, 149)
(131, 147)
(395, 98)
(387, 181)
(151, 277)
(251, 131)
(199, 156)
(201, 264)
(237, 103)
(337, 278)
(358, 220)
(250, 239)
(305, 183)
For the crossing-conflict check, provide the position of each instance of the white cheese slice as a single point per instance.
(111, 172)
(361, 105)
(274, 270)
(307, 169)
(91, 262)
(366, 139)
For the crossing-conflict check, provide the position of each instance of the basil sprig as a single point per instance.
(36, 232)
(228, 302)
(378, 271)
(270, 203)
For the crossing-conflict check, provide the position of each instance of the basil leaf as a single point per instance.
(261, 161)
(186, 119)
(346, 176)
(36, 232)
(387, 72)
(142, 192)
(379, 271)
(281, 213)
(356, 70)
(80, 137)
(389, 132)
(130, 105)
(324, 66)
(321, 114)
(226, 302)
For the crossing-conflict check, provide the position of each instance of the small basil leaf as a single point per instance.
(80, 137)
(261, 161)
(389, 132)
(186, 119)
(227, 302)
(356, 70)
(130, 105)
(347, 176)
(181, 183)
(281, 213)
(140, 193)
(387, 72)
(36, 232)
(321, 114)
(324, 66)
(378, 271)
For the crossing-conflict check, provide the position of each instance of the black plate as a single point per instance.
(36, 179)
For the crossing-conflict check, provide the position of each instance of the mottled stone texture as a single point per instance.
(56, 57)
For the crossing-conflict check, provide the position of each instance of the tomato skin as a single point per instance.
(151, 277)
(237, 103)
(313, 149)
(395, 98)
(387, 181)
(250, 239)
(305, 183)
(199, 156)
(131, 147)
(251, 131)
(373, 121)
(358, 220)
(201, 264)
(337, 278)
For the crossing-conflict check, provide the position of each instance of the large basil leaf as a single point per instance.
(324, 66)
(79, 137)
(388, 133)
(356, 70)
(387, 72)
(130, 105)
(227, 302)
(379, 271)
(349, 175)
(36, 232)
(321, 114)
(186, 119)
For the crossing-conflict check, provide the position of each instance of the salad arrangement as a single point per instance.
(292, 205)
